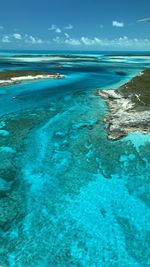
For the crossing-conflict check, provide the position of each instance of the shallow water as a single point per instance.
(69, 196)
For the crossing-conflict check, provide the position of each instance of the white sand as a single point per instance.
(30, 77)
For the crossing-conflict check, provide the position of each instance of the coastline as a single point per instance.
(129, 107)
(69, 195)
(13, 77)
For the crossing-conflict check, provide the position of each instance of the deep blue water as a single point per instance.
(68, 195)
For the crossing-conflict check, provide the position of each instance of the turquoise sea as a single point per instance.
(69, 196)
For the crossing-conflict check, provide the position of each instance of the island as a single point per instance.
(128, 55)
(54, 56)
(10, 77)
(129, 106)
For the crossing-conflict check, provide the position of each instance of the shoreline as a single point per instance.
(129, 107)
(13, 77)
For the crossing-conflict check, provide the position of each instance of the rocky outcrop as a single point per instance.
(125, 115)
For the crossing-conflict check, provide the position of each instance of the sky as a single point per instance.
(75, 24)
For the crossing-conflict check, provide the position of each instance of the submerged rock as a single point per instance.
(4, 132)
(4, 185)
(7, 149)
(2, 124)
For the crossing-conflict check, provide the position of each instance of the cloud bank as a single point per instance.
(101, 43)
(66, 41)
(20, 39)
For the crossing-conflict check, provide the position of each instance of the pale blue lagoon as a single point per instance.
(69, 196)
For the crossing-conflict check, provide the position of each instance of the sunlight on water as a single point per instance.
(69, 196)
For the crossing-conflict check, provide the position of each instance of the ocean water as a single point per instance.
(69, 196)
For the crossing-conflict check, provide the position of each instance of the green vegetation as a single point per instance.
(139, 90)
(5, 75)
(60, 56)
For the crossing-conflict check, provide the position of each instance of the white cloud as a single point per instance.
(87, 41)
(144, 20)
(26, 38)
(72, 41)
(119, 43)
(1, 27)
(116, 23)
(67, 35)
(17, 36)
(92, 42)
(68, 40)
(68, 27)
(58, 30)
(54, 28)
(83, 42)
(6, 39)
(32, 40)
(58, 40)
(39, 41)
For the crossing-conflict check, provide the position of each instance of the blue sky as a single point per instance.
(75, 24)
